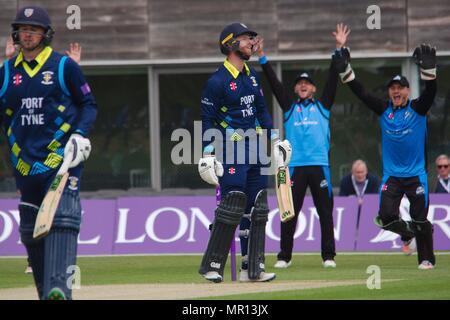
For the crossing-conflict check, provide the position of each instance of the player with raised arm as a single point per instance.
(403, 123)
(306, 124)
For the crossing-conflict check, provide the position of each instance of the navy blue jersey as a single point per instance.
(233, 100)
(42, 102)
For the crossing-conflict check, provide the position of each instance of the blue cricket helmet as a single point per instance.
(33, 16)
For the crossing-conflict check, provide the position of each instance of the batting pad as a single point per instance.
(61, 245)
(228, 215)
(256, 241)
(35, 248)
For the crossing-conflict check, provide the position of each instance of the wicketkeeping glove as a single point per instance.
(425, 58)
(210, 169)
(80, 147)
(341, 61)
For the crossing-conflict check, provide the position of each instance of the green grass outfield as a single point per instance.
(410, 283)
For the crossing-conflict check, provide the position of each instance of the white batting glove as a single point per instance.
(80, 147)
(210, 169)
(282, 152)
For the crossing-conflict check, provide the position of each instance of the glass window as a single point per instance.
(120, 157)
(355, 132)
(179, 108)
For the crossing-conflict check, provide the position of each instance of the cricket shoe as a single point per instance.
(56, 294)
(28, 270)
(281, 264)
(213, 276)
(329, 264)
(409, 246)
(426, 265)
(263, 277)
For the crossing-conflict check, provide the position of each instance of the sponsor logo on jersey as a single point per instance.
(233, 85)
(312, 109)
(205, 101)
(299, 109)
(47, 77)
(324, 183)
(391, 116)
(232, 170)
(384, 187)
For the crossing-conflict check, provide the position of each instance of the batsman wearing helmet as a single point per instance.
(232, 102)
(47, 109)
(403, 123)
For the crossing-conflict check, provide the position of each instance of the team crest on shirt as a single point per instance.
(47, 77)
(384, 187)
(391, 116)
(17, 79)
(255, 84)
(232, 170)
(233, 85)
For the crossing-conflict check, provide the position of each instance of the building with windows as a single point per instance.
(147, 61)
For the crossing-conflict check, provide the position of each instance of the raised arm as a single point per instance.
(329, 91)
(283, 96)
(341, 59)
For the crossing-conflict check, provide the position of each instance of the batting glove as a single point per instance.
(425, 58)
(210, 169)
(79, 147)
(282, 152)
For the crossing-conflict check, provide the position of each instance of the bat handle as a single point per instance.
(68, 157)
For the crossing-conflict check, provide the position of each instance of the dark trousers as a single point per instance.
(416, 190)
(319, 182)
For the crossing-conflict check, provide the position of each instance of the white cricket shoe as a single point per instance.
(28, 270)
(213, 276)
(329, 264)
(263, 277)
(409, 247)
(426, 265)
(281, 264)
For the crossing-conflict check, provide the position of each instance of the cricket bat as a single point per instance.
(284, 194)
(50, 203)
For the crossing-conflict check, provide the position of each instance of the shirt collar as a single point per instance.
(41, 58)
(233, 70)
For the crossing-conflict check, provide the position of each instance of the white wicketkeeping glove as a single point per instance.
(210, 169)
(80, 147)
(282, 152)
